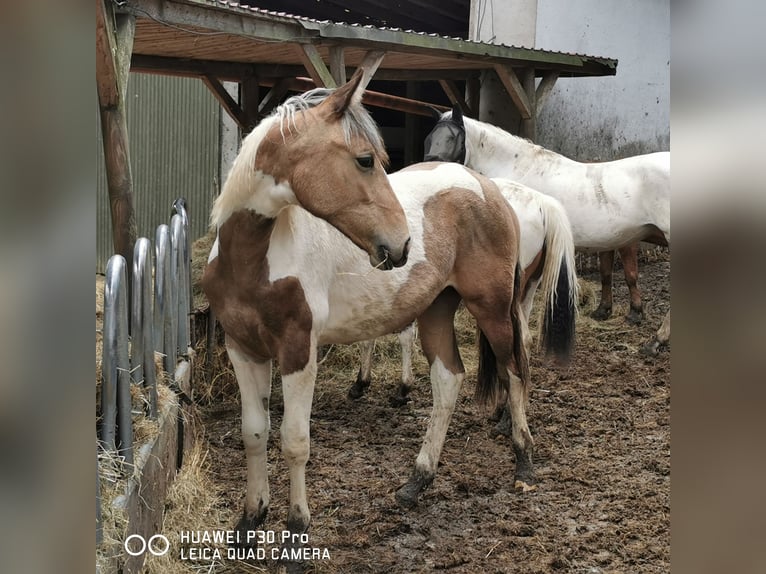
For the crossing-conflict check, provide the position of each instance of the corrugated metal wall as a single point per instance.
(173, 128)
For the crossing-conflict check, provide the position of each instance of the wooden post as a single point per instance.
(529, 125)
(114, 44)
(249, 99)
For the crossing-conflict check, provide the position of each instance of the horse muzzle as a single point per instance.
(388, 258)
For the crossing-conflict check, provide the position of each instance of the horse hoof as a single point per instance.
(601, 313)
(651, 349)
(357, 390)
(406, 497)
(398, 400)
(524, 486)
(634, 317)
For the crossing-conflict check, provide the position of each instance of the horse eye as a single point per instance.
(365, 161)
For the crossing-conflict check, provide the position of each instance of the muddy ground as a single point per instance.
(602, 432)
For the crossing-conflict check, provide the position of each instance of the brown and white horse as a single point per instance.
(305, 211)
(547, 257)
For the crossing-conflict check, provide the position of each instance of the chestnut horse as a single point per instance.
(316, 245)
(611, 205)
(547, 257)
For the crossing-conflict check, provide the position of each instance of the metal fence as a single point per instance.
(145, 310)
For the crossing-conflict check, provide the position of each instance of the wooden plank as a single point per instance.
(453, 93)
(544, 89)
(315, 66)
(514, 88)
(227, 102)
(337, 65)
(370, 64)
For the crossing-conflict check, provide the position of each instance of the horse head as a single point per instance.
(322, 150)
(446, 142)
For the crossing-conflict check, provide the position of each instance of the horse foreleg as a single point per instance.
(660, 339)
(298, 394)
(254, 380)
(606, 264)
(364, 376)
(407, 343)
(629, 257)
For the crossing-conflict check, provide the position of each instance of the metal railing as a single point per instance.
(154, 314)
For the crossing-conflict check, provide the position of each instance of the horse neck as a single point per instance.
(497, 153)
(248, 188)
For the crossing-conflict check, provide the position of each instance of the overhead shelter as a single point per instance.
(271, 53)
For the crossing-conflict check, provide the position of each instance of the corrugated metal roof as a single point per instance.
(227, 31)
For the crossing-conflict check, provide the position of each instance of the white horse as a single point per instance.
(547, 257)
(611, 205)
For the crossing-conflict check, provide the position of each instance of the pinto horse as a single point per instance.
(611, 205)
(547, 259)
(316, 245)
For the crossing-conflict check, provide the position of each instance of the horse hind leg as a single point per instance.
(254, 380)
(364, 376)
(629, 257)
(504, 337)
(437, 337)
(407, 343)
(606, 265)
(660, 339)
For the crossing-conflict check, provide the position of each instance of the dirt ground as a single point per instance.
(602, 454)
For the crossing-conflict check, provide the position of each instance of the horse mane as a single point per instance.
(500, 133)
(355, 122)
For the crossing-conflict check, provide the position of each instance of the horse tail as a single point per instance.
(558, 282)
(490, 387)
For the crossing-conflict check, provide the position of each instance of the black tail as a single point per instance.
(489, 387)
(559, 329)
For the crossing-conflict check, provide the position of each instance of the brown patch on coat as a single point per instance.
(267, 320)
(471, 243)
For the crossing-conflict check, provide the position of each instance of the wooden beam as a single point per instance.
(473, 93)
(114, 44)
(235, 71)
(544, 89)
(315, 66)
(514, 88)
(529, 125)
(370, 64)
(249, 98)
(227, 102)
(453, 93)
(275, 95)
(338, 65)
(377, 99)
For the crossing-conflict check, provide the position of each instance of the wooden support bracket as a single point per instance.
(227, 102)
(315, 66)
(544, 89)
(453, 93)
(370, 65)
(514, 88)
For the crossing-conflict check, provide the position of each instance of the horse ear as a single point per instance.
(437, 114)
(348, 94)
(457, 115)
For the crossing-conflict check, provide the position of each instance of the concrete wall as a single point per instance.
(588, 119)
(606, 118)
